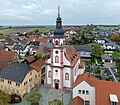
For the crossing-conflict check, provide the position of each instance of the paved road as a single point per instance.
(112, 74)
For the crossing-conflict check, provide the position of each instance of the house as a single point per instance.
(84, 51)
(22, 50)
(107, 58)
(64, 63)
(7, 57)
(109, 46)
(19, 78)
(99, 40)
(10, 44)
(39, 65)
(90, 91)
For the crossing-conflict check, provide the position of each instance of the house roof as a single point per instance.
(82, 48)
(30, 59)
(103, 88)
(77, 101)
(15, 72)
(71, 54)
(6, 56)
(19, 47)
(107, 57)
(38, 64)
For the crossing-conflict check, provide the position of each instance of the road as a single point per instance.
(112, 74)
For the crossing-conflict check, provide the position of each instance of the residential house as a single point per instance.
(7, 57)
(107, 58)
(22, 50)
(19, 78)
(84, 51)
(99, 40)
(87, 90)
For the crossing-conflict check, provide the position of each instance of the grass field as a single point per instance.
(8, 31)
(43, 30)
(116, 54)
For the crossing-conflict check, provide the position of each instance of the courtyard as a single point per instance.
(48, 95)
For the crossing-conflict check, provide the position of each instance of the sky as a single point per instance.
(73, 12)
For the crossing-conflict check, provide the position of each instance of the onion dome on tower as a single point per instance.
(59, 32)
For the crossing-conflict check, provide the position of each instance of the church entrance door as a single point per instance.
(56, 86)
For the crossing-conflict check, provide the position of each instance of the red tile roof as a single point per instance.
(38, 64)
(102, 88)
(77, 101)
(7, 55)
(72, 55)
(30, 59)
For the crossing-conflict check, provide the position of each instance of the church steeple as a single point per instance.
(59, 20)
(59, 32)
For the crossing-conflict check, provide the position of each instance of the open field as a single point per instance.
(7, 31)
(107, 27)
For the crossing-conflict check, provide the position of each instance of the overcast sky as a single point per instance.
(44, 12)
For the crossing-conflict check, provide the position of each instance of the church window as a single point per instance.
(49, 74)
(56, 42)
(66, 76)
(56, 59)
(56, 52)
(56, 71)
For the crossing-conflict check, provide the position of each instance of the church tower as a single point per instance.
(63, 66)
(58, 39)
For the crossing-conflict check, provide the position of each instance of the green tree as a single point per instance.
(4, 98)
(55, 102)
(97, 51)
(117, 63)
(34, 98)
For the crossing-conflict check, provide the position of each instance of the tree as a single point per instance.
(4, 98)
(117, 63)
(34, 98)
(55, 102)
(97, 51)
(115, 37)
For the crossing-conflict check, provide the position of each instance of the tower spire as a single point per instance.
(58, 11)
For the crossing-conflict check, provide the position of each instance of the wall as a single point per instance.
(85, 86)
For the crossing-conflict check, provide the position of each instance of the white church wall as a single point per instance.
(66, 82)
(48, 68)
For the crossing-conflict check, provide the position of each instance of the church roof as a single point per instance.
(71, 54)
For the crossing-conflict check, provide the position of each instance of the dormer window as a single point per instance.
(114, 99)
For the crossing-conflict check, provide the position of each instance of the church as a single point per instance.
(64, 64)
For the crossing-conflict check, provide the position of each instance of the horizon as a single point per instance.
(79, 12)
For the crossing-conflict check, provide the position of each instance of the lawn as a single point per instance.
(116, 54)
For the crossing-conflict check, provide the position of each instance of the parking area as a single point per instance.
(50, 94)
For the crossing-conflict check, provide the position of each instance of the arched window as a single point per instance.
(56, 59)
(66, 76)
(49, 74)
(56, 42)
